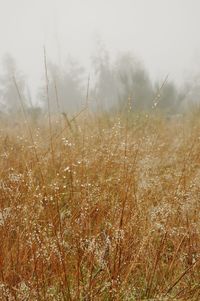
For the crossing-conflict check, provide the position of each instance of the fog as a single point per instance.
(162, 34)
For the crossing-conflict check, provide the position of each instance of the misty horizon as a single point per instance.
(162, 35)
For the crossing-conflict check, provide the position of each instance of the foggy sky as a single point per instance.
(164, 34)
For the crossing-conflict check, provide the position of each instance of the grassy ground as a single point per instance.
(104, 208)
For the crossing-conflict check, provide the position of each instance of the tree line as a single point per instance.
(114, 83)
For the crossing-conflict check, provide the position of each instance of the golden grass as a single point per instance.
(115, 215)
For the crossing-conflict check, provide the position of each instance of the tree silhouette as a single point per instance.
(8, 93)
(64, 86)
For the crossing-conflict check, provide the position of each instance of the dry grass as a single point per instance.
(115, 215)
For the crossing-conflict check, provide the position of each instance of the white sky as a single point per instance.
(164, 34)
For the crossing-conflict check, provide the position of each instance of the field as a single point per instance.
(100, 207)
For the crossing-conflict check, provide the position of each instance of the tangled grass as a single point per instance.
(107, 208)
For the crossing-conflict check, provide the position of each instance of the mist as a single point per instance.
(99, 148)
(95, 36)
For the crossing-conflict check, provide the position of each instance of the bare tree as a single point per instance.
(65, 87)
(8, 93)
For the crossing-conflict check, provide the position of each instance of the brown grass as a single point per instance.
(116, 217)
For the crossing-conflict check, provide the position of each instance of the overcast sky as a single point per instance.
(164, 34)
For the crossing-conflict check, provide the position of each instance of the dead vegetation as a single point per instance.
(100, 208)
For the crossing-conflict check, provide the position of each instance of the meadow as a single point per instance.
(100, 207)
